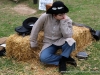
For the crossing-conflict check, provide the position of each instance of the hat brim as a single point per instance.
(21, 29)
(29, 22)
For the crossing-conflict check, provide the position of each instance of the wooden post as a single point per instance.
(35, 1)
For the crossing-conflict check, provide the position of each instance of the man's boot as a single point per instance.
(62, 65)
(71, 61)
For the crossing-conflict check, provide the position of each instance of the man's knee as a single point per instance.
(44, 57)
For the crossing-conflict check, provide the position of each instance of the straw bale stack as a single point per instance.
(82, 37)
(18, 47)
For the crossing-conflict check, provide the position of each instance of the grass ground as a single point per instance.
(81, 11)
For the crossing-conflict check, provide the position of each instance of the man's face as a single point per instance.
(60, 16)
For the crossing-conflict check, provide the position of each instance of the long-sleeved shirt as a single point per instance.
(55, 31)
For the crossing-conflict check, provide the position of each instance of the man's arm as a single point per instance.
(66, 28)
(36, 29)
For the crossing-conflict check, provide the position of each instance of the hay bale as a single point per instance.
(82, 37)
(18, 47)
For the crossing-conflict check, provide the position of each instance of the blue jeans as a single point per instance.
(49, 56)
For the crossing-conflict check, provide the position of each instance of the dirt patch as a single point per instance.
(24, 9)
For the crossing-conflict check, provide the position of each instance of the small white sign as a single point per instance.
(42, 4)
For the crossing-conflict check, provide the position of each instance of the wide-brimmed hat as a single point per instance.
(29, 22)
(26, 26)
(57, 7)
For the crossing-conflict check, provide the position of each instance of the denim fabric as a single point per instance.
(49, 56)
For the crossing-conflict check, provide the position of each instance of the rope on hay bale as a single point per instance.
(18, 47)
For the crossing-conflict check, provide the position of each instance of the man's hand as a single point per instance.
(65, 17)
(33, 45)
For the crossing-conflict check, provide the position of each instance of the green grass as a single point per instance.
(11, 67)
(81, 11)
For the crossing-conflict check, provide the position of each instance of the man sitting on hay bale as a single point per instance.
(57, 35)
